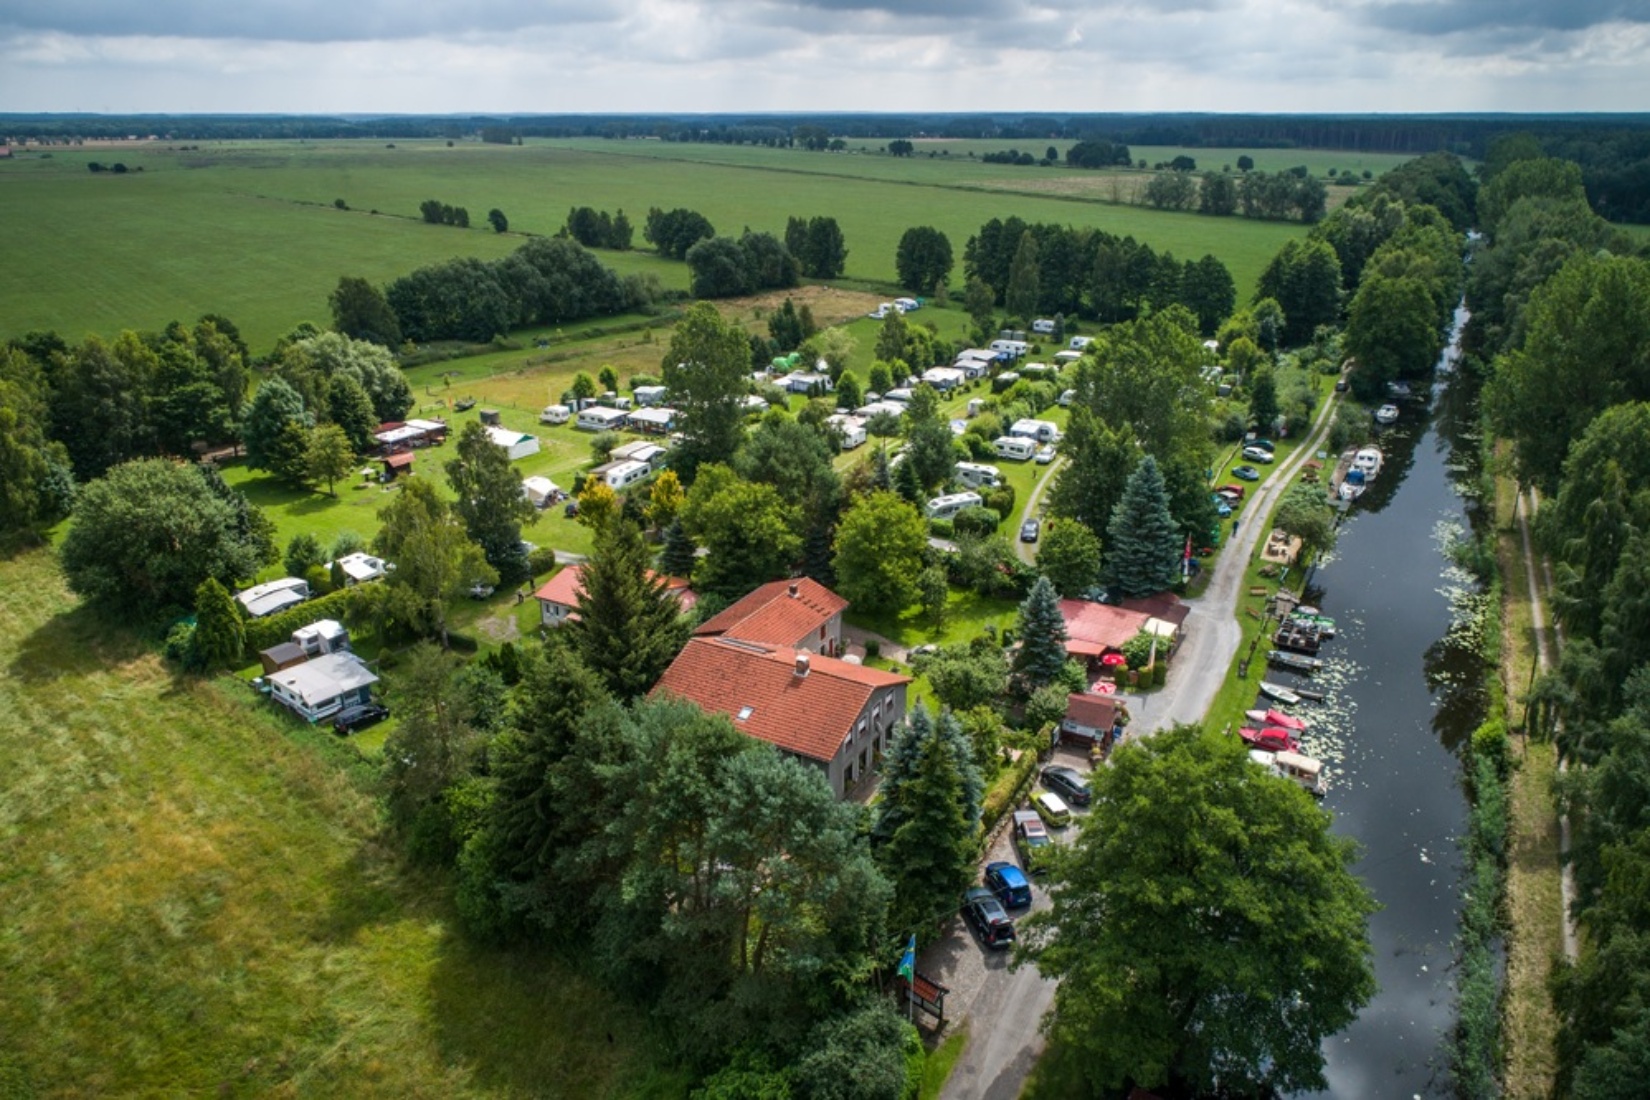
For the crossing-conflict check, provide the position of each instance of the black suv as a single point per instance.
(1068, 783)
(354, 718)
(990, 920)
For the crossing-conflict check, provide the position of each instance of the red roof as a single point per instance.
(1093, 628)
(1097, 712)
(1165, 606)
(564, 588)
(808, 715)
(783, 613)
(396, 461)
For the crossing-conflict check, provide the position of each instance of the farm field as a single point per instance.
(249, 230)
(197, 900)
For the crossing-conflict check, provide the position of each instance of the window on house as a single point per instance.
(744, 713)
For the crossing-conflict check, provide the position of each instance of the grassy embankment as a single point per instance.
(1534, 903)
(197, 898)
(249, 230)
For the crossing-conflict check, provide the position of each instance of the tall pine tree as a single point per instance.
(676, 560)
(220, 634)
(900, 766)
(1042, 632)
(930, 857)
(1143, 544)
(628, 628)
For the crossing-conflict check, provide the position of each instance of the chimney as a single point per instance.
(802, 662)
(795, 588)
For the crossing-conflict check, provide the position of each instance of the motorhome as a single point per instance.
(1016, 448)
(555, 414)
(976, 475)
(949, 505)
(625, 473)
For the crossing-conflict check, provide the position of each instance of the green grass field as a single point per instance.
(248, 230)
(196, 899)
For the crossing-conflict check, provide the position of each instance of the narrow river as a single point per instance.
(1404, 694)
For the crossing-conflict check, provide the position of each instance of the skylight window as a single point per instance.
(744, 713)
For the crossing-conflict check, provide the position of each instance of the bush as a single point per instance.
(1008, 791)
(873, 648)
(1001, 500)
(541, 561)
(975, 520)
(941, 528)
(1489, 745)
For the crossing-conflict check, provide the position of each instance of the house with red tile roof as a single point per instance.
(558, 597)
(833, 714)
(1090, 719)
(1094, 629)
(799, 613)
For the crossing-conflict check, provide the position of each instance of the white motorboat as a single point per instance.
(1386, 414)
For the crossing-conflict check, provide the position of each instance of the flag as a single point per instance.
(1186, 560)
(908, 961)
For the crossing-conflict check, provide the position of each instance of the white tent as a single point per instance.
(516, 444)
(539, 490)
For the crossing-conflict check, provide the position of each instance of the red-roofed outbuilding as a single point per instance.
(558, 597)
(799, 613)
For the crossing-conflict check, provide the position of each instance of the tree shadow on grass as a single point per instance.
(77, 642)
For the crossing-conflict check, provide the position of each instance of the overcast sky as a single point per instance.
(429, 56)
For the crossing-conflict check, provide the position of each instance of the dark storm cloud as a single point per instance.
(295, 20)
(1430, 17)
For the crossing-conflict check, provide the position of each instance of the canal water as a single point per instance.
(1405, 690)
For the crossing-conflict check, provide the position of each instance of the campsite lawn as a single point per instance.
(249, 230)
(198, 899)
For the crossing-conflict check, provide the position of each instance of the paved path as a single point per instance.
(1006, 1007)
(1544, 661)
(1026, 550)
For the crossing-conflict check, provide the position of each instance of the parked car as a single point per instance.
(1222, 508)
(1068, 783)
(359, 717)
(1258, 454)
(989, 919)
(1342, 385)
(1045, 454)
(1030, 530)
(1009, 883)
(1233, 493)
(1031, 840)
(1246, 473)
(1264, 444)
(1051, 808)
(480, 590)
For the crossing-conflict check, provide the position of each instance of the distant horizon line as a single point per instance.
(828, 113)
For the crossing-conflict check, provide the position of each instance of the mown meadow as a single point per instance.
(251, 231)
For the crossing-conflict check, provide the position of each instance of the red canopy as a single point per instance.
(1112, 660)
(1278, 718)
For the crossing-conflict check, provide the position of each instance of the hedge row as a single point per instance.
(1003, 797)
(263, 633)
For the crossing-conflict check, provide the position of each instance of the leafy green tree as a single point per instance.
(1024, 279)
(928, 451)
(908, 485)
(350, 409)
(143, 538)
(675, 231)
(429, 750)
(706, 369)
(36, 484)
(1207, 289)
(923, 258)
(435, 560)
(490, 501)
(1305, 513)
(584, 387)
(1207, 930)
(1263, 398)
(360, 311)
(303, 553)
(274, 406)
(849, 393)
(1099, 459)
(496, 219)
(1142, 377)
(785, 327)
(965, 677)
(750, 533)
(1069, 556)
(665, 500)
(891, 337)
(1392, 332)
(220, 634)
(628, 630)
(329, 457)
(1042, 633)
(879, 548)
(1304, 278)
(981, 303)
(677, 558)
(1586, 347)
(1145, 546)
(314, 363)
(934, 592)
(792, 457)
(881, 380)
(719, 270)
(826, 252)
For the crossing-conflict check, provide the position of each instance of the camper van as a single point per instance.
(1042, 326)
(978, 476)
(949, 505)
(1016, 448)
(1014, 349)
(555, 414)
(1078, 343)
(1043, 431)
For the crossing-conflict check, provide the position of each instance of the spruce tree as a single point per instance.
(930, 857)
(900, 767)
(1042, 633)
(1143, 544)
(628, 629)
(907, 484)
(220, 635)
(677, 558)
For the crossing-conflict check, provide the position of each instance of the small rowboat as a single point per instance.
(1271, 739)
(1314, 696)
(1279, 693)
(1299, 662)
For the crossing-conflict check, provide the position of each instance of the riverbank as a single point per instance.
(1534, 899)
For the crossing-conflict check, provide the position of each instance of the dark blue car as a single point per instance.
(1009, 883)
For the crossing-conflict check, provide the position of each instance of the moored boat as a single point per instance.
(1305, 770)
(1386, 414)
(1272, 739)
(1295, 661)
(1279, 693)
(1287, 721)
(1310, 695)
(1300, 641)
